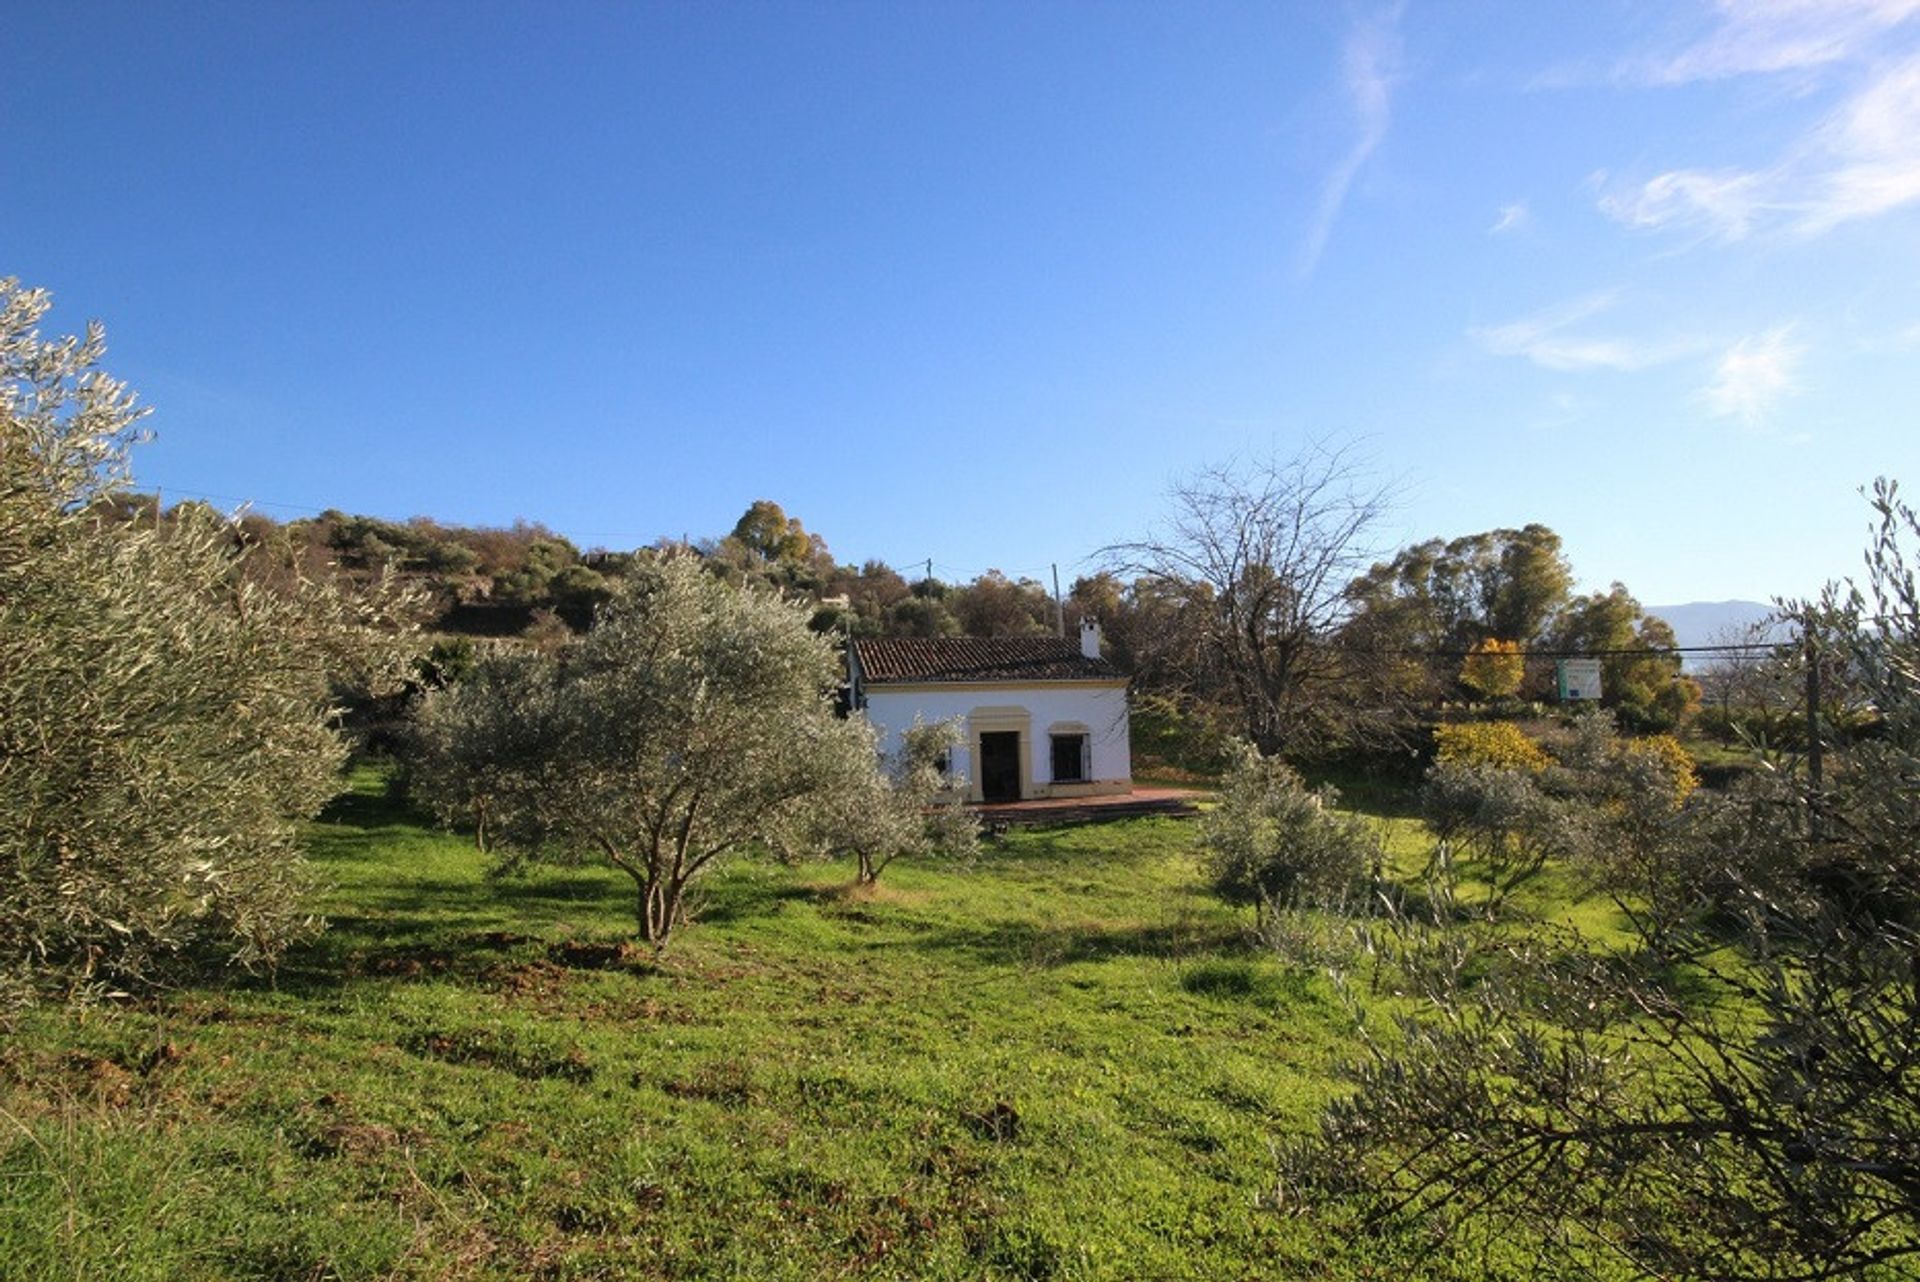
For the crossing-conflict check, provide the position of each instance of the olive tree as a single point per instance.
(487, 755)
(692, 723)
(918, 813)
(164, 727)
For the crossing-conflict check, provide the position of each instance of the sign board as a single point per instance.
(1579, 679)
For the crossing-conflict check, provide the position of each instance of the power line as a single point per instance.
(190, 493)
(1742, 647)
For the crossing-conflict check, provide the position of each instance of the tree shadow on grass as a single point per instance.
(739, 901)
(357, 949)
(1046, 945)
(367, 808)
(465, 929)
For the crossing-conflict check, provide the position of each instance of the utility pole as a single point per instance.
(1816, 767)
(1059, 606)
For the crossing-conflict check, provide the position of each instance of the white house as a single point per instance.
(1041, 717)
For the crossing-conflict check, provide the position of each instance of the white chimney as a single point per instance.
(1090, 638)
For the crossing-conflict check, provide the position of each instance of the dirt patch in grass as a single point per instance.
(726, 1081)
(530, 979)
(107, 1080)
(328, 1127)
(998, 1122)
(586, 954)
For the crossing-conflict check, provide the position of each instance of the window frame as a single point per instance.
(1082, 755)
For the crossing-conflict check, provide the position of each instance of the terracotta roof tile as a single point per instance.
(978, 659)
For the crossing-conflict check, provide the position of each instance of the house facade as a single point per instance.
(1040, 717)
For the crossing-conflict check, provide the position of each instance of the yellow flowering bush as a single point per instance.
(1665, 753)
(1488, 743)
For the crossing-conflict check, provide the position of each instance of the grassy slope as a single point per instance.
(1064, 1062)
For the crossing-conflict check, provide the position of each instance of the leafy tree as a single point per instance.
(1499, 744)
(1647, 854)
(871, 592)
(1450, 595)
(1494, 669)
(1496, 825)
(1101, 597)
(1167, 731)
(768, 532)
(1736, 1097)
(164, 724)
(531, 582)
(577, 591)
(692, 724)
(995, 606)
(767, 546)
(921, 615)
(492, 754)
(1640, 677)
(447, 660)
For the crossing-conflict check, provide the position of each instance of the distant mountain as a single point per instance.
(1714, 623)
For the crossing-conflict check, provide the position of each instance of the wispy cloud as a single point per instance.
(1511, 218)
(1724, 205)
(1369, 71)
(1550, 340)
(1562, 410)
(1790, 38)
(1754, 375)
(1760, 37)
(1859, 161)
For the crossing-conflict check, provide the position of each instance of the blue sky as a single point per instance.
(974, 282)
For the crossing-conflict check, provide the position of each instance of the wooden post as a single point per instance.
(1816, 766)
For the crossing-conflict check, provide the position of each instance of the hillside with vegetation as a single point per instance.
(336, 942)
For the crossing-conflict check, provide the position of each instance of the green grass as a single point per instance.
(1065, 1061)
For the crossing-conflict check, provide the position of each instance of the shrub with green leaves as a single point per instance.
(912, 809)
(1497, 826)
(1273, 842)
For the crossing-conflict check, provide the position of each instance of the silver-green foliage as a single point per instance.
(910, 808)
(1271, 840)
(486, 754)
(1496, 826)
(162, 729)
(693, 722)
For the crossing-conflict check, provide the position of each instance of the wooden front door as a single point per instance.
(1000, 765)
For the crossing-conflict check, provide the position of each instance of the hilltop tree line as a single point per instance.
(1260, 613)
